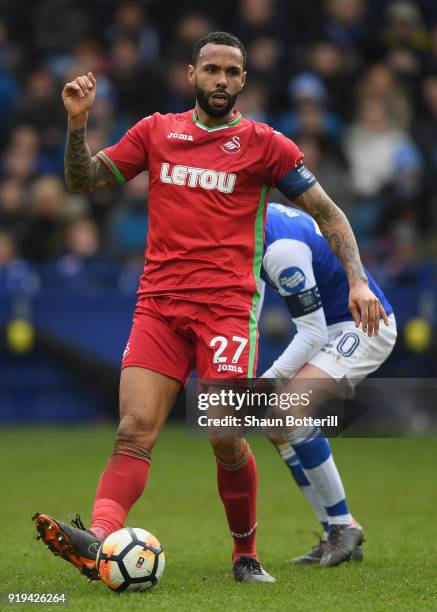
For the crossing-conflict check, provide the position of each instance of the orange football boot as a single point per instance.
(74, 544)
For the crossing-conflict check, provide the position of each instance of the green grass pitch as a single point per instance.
(391, 486)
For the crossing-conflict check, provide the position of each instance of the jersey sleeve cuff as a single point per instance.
(296, 182)
(112, 167)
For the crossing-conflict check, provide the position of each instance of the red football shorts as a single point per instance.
(174, 336)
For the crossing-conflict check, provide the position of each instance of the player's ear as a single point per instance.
(191, 74)
(243, 80)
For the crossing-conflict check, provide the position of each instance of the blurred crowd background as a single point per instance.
(353, 82)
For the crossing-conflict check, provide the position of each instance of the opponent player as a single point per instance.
(301, 267)
(210, 171)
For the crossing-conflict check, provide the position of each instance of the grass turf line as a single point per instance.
(391, 490)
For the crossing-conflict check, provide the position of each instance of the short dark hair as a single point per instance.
(219, 38)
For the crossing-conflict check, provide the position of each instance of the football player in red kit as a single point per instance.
(210, 170)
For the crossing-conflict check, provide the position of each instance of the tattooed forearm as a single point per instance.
(335, 227)
(84, 173)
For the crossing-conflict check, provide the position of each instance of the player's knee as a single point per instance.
(139, 429)
(226, 446)
(276, 440)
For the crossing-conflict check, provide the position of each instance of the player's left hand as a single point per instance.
(366, 308)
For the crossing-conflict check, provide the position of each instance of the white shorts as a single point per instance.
(351, 354)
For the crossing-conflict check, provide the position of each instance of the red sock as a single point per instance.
(121, 484)
(237, 480)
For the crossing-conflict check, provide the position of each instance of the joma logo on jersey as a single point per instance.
(228, 367)
(180, 136)
(193, 177)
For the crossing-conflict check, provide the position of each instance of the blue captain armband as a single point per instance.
(304, 303)
(296, 182)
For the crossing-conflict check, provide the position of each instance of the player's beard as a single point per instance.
(203, 98)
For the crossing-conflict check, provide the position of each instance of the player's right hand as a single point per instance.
(78, 96)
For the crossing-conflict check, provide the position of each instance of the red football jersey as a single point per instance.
(208, 189)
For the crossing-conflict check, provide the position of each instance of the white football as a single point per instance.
(130, 559)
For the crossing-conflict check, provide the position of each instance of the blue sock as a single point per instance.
(292, 462)
(314, 454)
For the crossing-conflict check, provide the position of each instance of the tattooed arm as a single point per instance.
(335, 227)
(83, 173)
(363, 304)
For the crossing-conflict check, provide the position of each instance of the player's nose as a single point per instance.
(221, 82)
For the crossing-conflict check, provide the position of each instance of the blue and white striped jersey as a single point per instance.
(301, 266)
